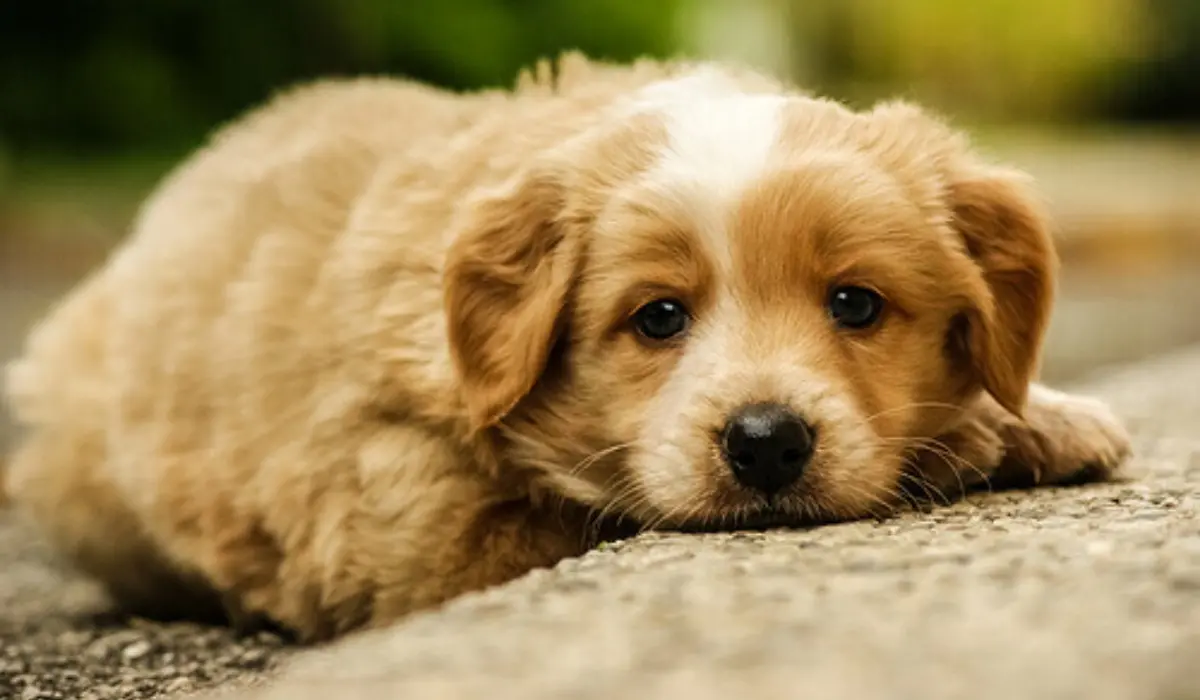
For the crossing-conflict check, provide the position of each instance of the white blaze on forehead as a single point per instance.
(703, 81)
(719, 142)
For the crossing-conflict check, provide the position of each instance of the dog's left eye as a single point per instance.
(855, 307)
(662, 319)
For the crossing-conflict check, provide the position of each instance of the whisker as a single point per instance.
(596, 456)
(935, 447)
(953, 459)
(873, 498)
(928, 487)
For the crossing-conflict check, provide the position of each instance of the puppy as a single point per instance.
(377, 345)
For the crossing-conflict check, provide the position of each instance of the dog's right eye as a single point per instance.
(855, 307)
(662, 319)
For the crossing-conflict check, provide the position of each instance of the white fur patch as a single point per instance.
(705, 81)
(719, 142)
(1071, 403)
(1040, 393)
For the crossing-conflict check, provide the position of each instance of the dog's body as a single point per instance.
(372, 349)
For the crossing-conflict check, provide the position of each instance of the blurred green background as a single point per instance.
(94, 77)
(1100, 99)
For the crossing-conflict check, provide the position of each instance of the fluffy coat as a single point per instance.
(369, 348)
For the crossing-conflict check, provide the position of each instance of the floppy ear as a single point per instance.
(506, 283)
(1008, 236)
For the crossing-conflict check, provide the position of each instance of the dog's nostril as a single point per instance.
(744, 459)
(767, 446)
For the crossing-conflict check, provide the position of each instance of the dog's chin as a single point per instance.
(766, 514)
(814, 500)
(756, 520)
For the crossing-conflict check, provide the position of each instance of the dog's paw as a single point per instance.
(1063, 439)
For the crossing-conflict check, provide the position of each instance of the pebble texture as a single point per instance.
(1091, 592)
(59, 640)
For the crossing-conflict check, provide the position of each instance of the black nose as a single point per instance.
(767, 446)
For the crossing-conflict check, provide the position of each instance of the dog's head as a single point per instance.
(729, 308)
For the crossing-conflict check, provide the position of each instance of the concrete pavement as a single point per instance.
(1090, 592)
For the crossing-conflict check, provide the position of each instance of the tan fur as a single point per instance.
(371, 347)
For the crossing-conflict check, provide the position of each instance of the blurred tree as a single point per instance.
(998, 59)
(1165, 86)
(79, 75)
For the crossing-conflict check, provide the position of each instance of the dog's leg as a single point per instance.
(1061, 439)
(58, 479)
(497, 543)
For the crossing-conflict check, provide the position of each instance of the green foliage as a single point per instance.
(1022, 59)
(105, 76)
(79, 75)
(1164, 86)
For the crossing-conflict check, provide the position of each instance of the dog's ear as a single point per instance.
(1008, 235)
(508, 274)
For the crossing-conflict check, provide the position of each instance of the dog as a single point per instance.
(377, 345)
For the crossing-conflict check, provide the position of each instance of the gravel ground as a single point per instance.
(59, 639)
(1090, 592)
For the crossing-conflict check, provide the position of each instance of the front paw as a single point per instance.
(1063, 439)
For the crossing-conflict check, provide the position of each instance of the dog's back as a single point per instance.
(240, 314)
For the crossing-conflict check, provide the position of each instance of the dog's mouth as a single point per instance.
(793, 511)
(766, 518)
